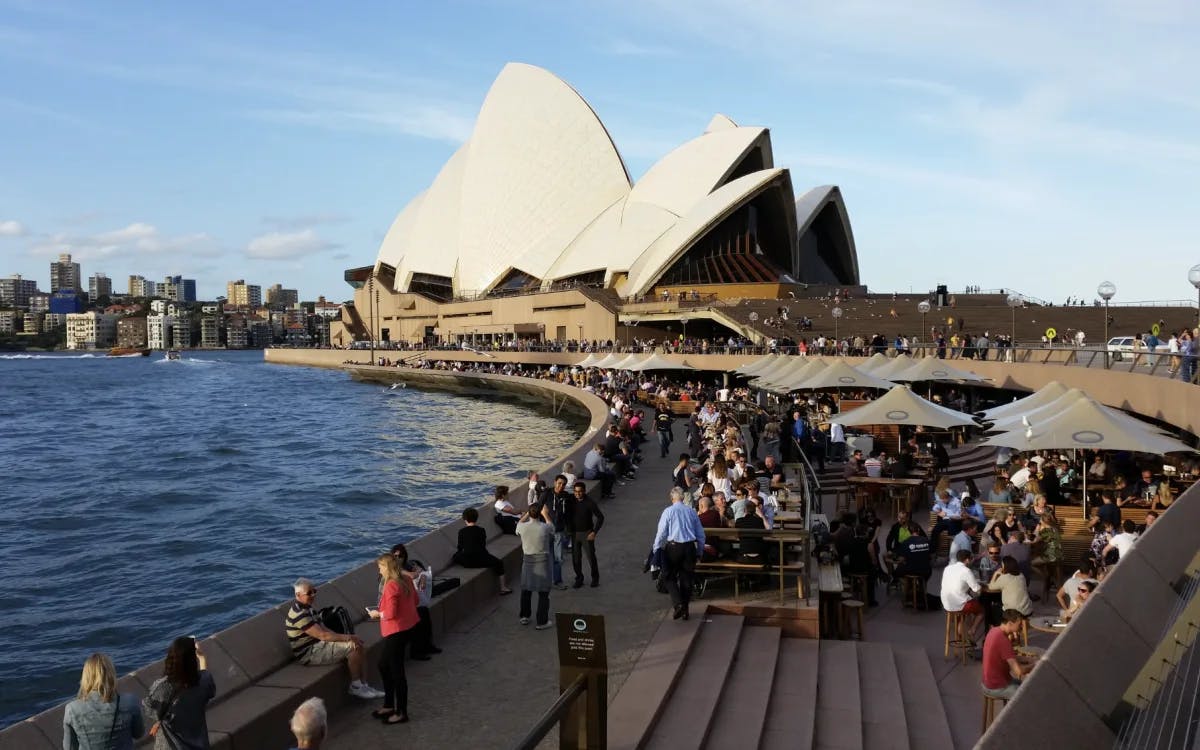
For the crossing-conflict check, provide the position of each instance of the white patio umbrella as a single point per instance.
(900, 406)
(1040, 413)
(838, 375)
(1043, 395)
(932, 368)
(780, 365)
(781, 382)
(656, 362)
(589, 361)
(1089, 425)
(755, 366)
(893, 365)
(878, 359)
(605, 363)
(626, 363)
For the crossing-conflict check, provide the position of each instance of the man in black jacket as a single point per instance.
(584, 520)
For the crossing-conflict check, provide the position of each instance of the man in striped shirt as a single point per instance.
(315, 645)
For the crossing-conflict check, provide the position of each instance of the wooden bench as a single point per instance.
(781, 567)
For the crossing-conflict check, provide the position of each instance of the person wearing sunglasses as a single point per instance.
(315, 645)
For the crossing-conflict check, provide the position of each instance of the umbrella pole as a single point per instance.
(1085, 515)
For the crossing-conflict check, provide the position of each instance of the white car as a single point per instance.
(1119, 345)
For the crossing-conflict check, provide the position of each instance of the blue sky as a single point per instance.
(1042, 147)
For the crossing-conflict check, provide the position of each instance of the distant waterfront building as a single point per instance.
(183, 332)
(210, 326)
(9, 321)
(327, 310)
(33, 322)
(68, 301)
(91, 330)
(236, 333)
(64, 274)
(16, 291)
(39, 303)
(260, 335)
(131, 333)
(140, 286)
(182, 290)
(277, 296)
(99, 285)
(242, 295)
(159, 329)
(53, 321)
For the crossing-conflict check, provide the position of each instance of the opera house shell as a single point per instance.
(539, 199)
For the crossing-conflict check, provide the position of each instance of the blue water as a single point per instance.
(142, 499)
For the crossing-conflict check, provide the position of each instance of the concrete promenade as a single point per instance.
(495, 677)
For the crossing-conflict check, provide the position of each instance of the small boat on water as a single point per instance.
(124, 351)
(173, 354)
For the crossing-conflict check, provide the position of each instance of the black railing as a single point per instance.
(555, 714)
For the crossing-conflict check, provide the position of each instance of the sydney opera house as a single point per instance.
(534, 229)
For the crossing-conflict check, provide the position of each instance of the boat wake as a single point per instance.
(51, 356)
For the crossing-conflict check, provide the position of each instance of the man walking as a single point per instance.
(679, 540)
(585, 521)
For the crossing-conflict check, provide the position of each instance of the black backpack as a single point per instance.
(336, 619)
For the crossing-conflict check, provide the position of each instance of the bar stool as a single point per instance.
(859, 586)
(843, 500)
(954, 625)
(899, 498)
(989, 710)
(912, 589)
(852, 619)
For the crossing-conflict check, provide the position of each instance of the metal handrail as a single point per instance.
(554, 714)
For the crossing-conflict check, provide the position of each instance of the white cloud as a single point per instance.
(628, 48)
(302, 221)
(12, 228)
(138, 239)
(287, 245)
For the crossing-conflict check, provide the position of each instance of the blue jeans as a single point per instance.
(557, 550)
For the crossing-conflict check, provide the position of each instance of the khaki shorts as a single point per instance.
(326, 652)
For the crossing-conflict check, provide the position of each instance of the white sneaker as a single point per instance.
(524, 620)
(372, 692)
(543, 626)
(363, 691)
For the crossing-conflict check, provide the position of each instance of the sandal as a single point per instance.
(396, 719)
(505, 592)
(382, 713)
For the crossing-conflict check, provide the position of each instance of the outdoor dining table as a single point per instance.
(913, 487)
(1046, 625)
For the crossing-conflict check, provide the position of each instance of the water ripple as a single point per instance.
(141, 502)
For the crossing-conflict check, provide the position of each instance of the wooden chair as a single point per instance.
(859, 586)
(912, 589)
(852, 619)
(989, 710)
(955, 621)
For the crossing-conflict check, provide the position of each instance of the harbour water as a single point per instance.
(142, 499)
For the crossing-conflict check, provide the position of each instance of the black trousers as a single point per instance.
(422, 634)
(391, 668)
(952, 525)
(679, 565)
(577, 550)
(543, 606)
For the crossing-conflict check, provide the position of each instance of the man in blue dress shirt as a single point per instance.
(680, 537)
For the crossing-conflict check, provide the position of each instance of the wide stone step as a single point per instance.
(839, 700)
(687, 715)
(884, 725)
(791, 713)
(924, 713)
(640, 701)
(747, 693)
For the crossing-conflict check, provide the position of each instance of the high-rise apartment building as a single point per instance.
(64, 274)
(159, 331)
(140, 286)
(91, 330)
(16, 291)
(131, 333)
(277, 296)
(240, 294)
(99, 285)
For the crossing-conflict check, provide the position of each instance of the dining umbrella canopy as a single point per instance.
(1043, 395)
(932, 368)
(780, 382)
(839, 375)
(605, 363)
(1047, 410)
(780, 365)
(626, 363)
(656, 362)
(878, 359)
(589, 361)
(900, 406)
(752, 368)
(893, 365)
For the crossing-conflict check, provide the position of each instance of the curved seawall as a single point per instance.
(257, 689)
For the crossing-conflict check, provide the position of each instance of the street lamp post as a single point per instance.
(1194, 277)
(1107, 290)
(683, 319)
(837, 314)
(1014, 301)
(923, 308)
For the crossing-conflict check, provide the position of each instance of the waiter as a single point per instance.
(679, 540)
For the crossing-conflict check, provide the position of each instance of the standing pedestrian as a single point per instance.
(178, 700)
(537, 537)
(679, 540)
(420, 646)
(397, 615)
(585, 522)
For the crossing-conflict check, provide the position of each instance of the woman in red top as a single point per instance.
(397, 615)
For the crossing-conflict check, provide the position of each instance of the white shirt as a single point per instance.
(1123, 543)
(958, 583)
(874, 467)
(836, 433)
(1039, 460)
(723, 394)
(500, 508)
(1020, 478)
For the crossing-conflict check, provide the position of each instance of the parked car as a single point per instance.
(1118, 346)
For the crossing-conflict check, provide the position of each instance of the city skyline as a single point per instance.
(279, 144)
